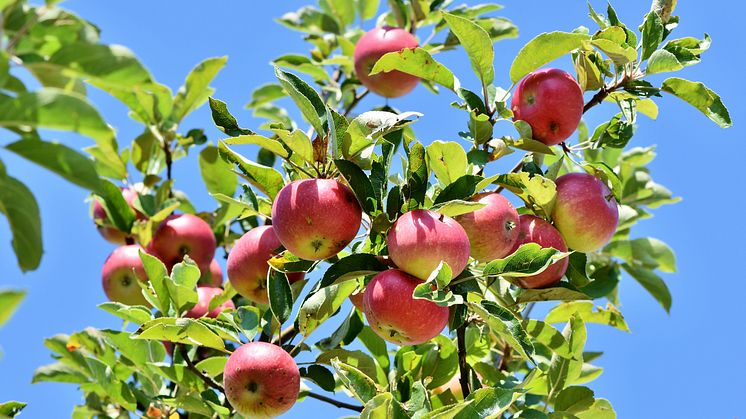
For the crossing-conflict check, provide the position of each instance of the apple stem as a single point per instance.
(341, 405)
(463, 366)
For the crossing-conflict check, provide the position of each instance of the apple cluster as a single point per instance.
(315, 219)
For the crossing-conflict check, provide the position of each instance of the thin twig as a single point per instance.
(463, 366)
(355, 101)
(190, 365)
(341, 405)
(286, 335)
(24, 29)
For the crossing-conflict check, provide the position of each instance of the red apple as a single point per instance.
(585, 212)
(213, 277)
(395, 315)
(315, 218)
(536, 230)
(205, 295)
(108, 231)
(247, 263)
(119, 276)
(180, 235)
(261, 380)
(492, 230)
(419, 240)
(551, 101)
(372, 46)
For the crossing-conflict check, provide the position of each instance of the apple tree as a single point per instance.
(441, 268)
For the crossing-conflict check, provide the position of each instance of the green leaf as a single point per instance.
(649, 252)
(417, 176)
(367, 9)
(216, 173)
(59, 159)
(116, 207)
(548, 336)
(19, 206)
(157, 275)
(528, 260)
(619, 54)
(9, 302)
(59, 110)
(462, 189)
(651, 282)
(433, 288)
(458, 207)
(447, 160)
(560, 292)
(376, 346)
(212, 366)
(609, 316)
(699, 96)
(574, 399)
(302, 64)
(260, 140)
(266, 93)
(361, 386)
(562, 370)
(477, 44)
(345, 333)
(368, 127)
(319, 375)
(305, 97)
(196, 90)
(360, 184)
(342, 10)
(266, 179)
(310, 20)
(601, 409)
(134, 314)
(249, 319)
(322, 304)
(11, 409)
(488, 403)
(224, 120)
(58, 373)
(182, 287)
(110, 64)
(358, 359)
(535, 190)
(652, 34)
(503, 323)
(663, 61)
(280, 295)
(298, 142)
(417, 62)
(181, 330)
(383, 406)
(288, 262)
(544, 49)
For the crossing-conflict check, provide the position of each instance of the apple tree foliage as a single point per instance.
(503, 362)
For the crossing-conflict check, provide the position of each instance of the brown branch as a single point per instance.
(505, 359)
(517, 168)
(463, 366)
(286, 335)
(604, 93)
(190, 365)
(355, 101)
(341, 405)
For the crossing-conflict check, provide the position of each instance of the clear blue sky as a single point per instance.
(686, 365)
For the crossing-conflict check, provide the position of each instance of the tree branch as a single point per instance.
(341, 405)
(463, 366)
(286, 335)
(190, 365)
(355, 101)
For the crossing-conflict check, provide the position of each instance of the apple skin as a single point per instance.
(204, 296)
(419, 240)
(536, 230)
(316, 218)
(372, 46)
(180, 235)
(397, 317)
(551, 101)
(585, 212)
(492, 230)
(247, 263)
(119, 274)
(108, 231)
(261, 380)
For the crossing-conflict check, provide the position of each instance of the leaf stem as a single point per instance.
(337, 403)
